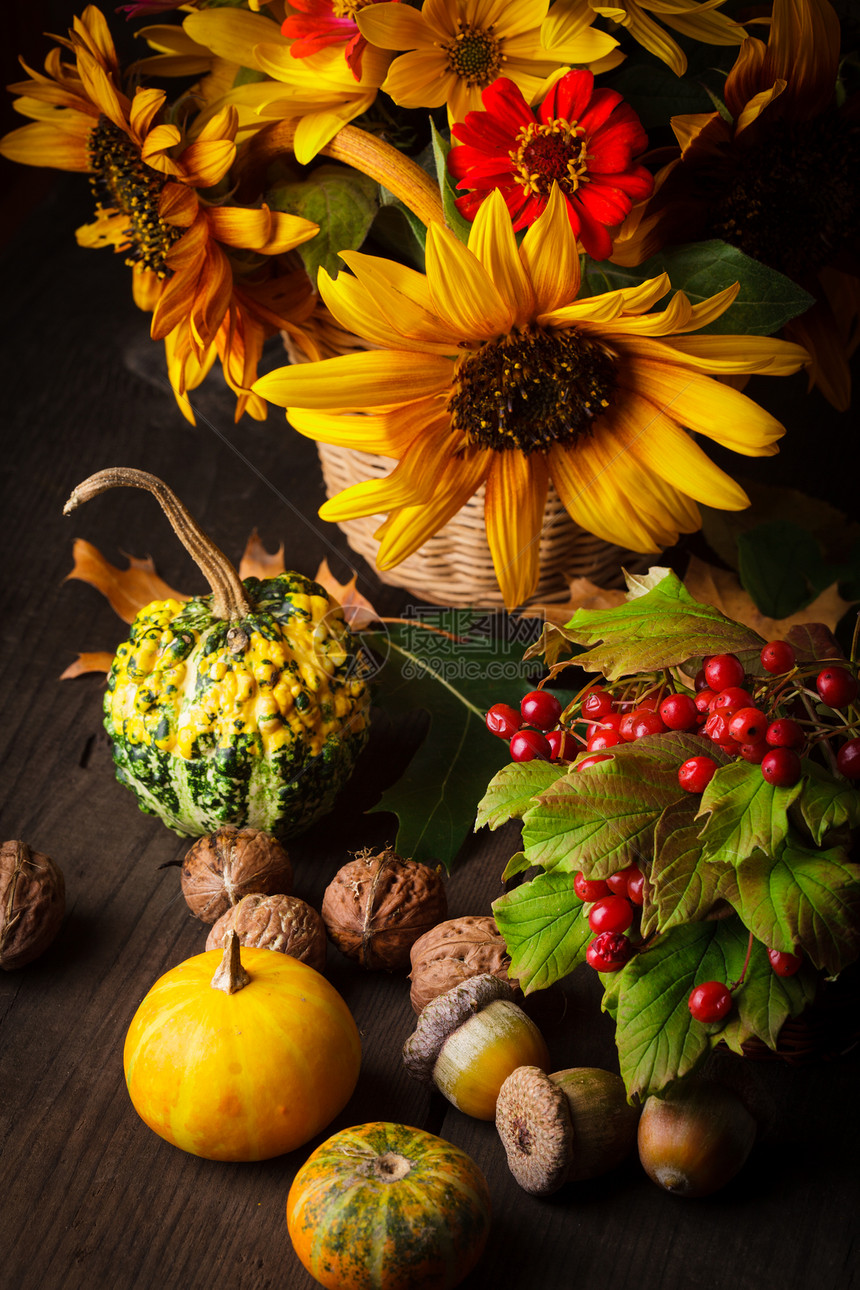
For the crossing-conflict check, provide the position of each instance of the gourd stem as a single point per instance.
(229, 600)
(230, 976)
(363, 151)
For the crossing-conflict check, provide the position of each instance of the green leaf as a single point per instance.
(744, 813)
(827, 805)
(658, 1041)
(602, 819)
(517, 864)
(545, 928)
(782, 567)
(454, 681)
(455, 221)
(662, 627)
(512, 791)
(682, 886)
(765, 1001)
(803, 899)
(342, 201)
(766, 300)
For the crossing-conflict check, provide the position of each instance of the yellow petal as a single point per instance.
(514, 506)
(761, 353)
(367, 379)
(707, 407)
(386, 433)
(40, 144)
(412, 480)
(408, 528)
(205, 164)
(419, 79)
(373, 305)
(492, 240)
(550, 255)
(268, 232)
(393, 26)
(231, 33)
(462, 290)
(595, 501)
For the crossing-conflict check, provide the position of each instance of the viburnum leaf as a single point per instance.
(513, 789)
(545, 928)
(658, 1040)
(765, 1001)
(802, 899)
(814, 641)
(517, 864)
(663, 627)
(744, 812)
(827, 805)
(682, 886)
(602, 818)
(454, 680)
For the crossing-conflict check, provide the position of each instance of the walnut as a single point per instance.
(377, 906)
(452, 952)
(276, 922)
(32, 903)
(231, 863)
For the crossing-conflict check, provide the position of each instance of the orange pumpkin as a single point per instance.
(241, 1059)
(386, 1207)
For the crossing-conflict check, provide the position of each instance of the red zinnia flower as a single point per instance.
(327, 22)
(583, 139)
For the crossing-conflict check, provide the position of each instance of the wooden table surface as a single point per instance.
(90, 1196)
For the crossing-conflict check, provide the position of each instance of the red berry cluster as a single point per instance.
(613, 908)
(534, 731)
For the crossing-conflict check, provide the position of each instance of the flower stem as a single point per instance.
(229, 600)
(365, 152)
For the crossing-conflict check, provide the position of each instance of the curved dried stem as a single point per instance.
(229, 600)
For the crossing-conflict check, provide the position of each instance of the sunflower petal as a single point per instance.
(707, 407)
(409, 482)
(366, 379)
(514, 505)
(463, 292)
(492, 241)
(408, 528)
(387, 433)
(550, 255)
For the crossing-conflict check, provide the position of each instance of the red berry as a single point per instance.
(592, 761)
(836, 686)
(784, 733)
(696, 774)
(597, 703)
(611, 914)
(526, 745)
(710, 1001)
(754, 753)
(626, 727)
(503, 720)
(730, 700)
(777, 657)
(703, 701)
(611, 721)
(562, 745)
(781, 767)
(848, 759)
(617, 882)
(679, 712)
(603, 739)
(541, 709)
(783, 963)
(747, 725)
(608, 952)
(723, 670)
(717, 728)
(636, 887)
(589, 889)
(647, 722)
(701, 681)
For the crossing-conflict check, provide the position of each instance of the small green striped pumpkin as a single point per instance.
(387, 1207)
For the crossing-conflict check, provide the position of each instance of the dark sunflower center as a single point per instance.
(532, 389)
(122, 181)
(793, 200)
(475, 54)
(555, 151)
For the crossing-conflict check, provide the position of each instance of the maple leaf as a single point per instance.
(582, 593)
(721, 589)
(257, 562)
(126, 590)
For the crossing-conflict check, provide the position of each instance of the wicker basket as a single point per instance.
(455, 567)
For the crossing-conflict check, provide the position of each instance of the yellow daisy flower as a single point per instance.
(698, 19)
(456, 48)
(319, 92)
(147, 175)
(489, 370)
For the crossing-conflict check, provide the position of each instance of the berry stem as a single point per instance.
(736, 984)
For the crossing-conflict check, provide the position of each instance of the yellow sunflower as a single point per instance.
(147, 175)
(320, 93)
(775, 174)
(456, 48)
(489, 370)
(698, 19)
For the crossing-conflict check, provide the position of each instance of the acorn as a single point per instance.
(468, 1040)
(695, 1137)
(565, 1127)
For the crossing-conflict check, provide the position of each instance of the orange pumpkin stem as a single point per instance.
(230, 975)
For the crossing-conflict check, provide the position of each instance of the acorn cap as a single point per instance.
(534, 1124)
(445, 1014)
